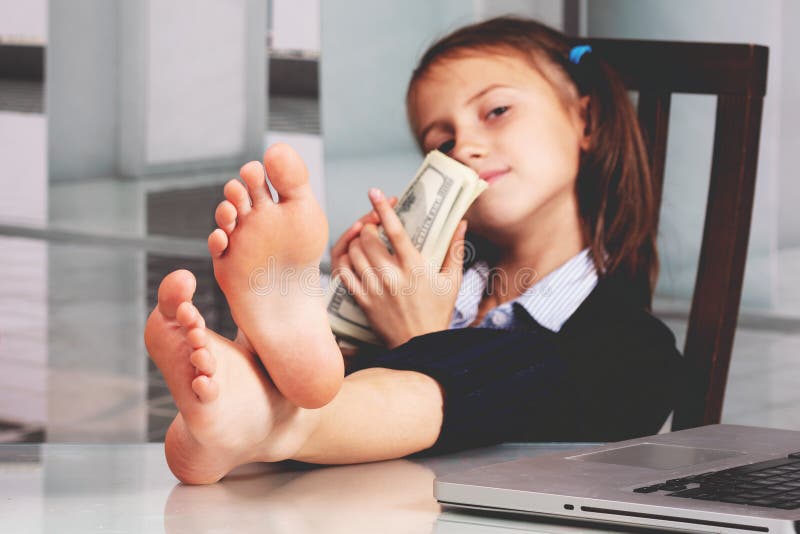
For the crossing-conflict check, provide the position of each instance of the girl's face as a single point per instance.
(498, 115)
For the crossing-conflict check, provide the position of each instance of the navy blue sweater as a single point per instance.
(609, 374)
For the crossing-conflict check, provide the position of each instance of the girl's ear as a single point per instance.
(584, 120)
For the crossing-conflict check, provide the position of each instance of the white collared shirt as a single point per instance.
(550, 301)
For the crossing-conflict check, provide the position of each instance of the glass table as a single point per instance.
(71, 488)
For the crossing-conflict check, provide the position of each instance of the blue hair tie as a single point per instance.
(577, 52)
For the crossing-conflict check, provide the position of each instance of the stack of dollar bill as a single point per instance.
(430, 210)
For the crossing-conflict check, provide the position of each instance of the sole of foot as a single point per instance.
(266, 260)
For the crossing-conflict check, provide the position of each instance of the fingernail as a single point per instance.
(375, 194)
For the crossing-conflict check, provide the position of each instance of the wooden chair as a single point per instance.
(737, 74)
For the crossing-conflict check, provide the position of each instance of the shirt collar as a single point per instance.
(550, 301)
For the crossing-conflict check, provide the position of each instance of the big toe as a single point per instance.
(177, 287)
(286, 171)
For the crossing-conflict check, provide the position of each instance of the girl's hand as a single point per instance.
(339, 248)
(400, 293)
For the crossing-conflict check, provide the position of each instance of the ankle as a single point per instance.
(292, 435)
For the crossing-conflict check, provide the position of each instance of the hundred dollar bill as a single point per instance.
(430, 210)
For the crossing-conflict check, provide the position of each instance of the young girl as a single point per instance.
(560, 344)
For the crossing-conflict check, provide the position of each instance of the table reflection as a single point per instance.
(384, 497)
(79, 488)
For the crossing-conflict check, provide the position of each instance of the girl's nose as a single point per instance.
(470, 149)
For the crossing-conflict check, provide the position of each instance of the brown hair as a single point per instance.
(614, 187)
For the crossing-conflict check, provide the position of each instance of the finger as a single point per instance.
(372, 217)
(342, 264)
(358, 260)
(362, 267)
(454, 260)
(340, 247)
(350, 281)
(392, 226)
(375, 248)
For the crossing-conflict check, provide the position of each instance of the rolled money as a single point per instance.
(430, 209)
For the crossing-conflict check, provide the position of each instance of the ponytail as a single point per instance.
(614, 185)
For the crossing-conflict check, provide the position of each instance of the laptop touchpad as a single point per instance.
(656, 456)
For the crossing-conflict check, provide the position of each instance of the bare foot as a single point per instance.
(230, 412)
(266, 260)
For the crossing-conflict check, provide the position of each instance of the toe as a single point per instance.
(237, 195)
(189, 316)
(203, 361)
(225, 215)
(176, 288)
(253, 175)
(217, 243)
(286, 171)
(205, 388)
(197, 338)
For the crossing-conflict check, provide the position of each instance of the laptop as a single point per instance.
(718, 478)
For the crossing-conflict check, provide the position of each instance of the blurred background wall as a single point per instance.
(143, 87)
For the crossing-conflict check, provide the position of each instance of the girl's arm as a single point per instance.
(496, 384)
(379, 414)
(608, 376)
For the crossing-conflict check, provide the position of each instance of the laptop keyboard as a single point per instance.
(772, 484)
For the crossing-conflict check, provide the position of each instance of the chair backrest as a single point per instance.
(737, 74)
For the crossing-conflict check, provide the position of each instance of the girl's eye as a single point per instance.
(496, 112)
(447, 146)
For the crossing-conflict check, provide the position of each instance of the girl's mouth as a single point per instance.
(493, 176)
